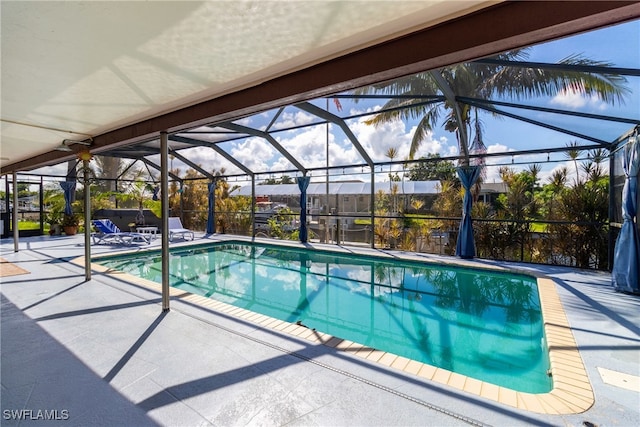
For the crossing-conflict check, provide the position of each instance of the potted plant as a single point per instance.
(53, 219)
(70, 224)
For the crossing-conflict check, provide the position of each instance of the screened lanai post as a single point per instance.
(372, 206)
(253, 205)
(164, 197)
(180, 193)
(626, 260)
(211, 211)
(87, 220)
(465, 246)
(303, 184)
(14, 218)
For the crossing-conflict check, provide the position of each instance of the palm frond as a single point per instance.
(480, 80)
(399, 109)
(521, 82)
(423, 129)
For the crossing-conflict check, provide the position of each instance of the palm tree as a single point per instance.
(391, 153)
(596, 158)
(484, 80)
(558, 179)
(573, 153)
(535, 170)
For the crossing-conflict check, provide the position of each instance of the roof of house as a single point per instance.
(344, 188)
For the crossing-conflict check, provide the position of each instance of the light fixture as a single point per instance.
(66, 144)
(85, 155)
(63, 147)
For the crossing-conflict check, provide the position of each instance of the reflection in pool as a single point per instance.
(485, 325)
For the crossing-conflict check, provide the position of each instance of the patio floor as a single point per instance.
(102, 353)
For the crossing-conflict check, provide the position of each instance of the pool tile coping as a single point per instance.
(571, 393)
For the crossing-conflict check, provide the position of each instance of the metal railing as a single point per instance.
(575, 244)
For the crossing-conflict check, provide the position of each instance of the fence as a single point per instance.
(574, 244)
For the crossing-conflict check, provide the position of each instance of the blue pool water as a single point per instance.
(480, 324)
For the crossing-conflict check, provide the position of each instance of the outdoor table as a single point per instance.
(153, 231)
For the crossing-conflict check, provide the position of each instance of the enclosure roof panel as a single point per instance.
(117, 73)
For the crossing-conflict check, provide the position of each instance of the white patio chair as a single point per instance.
(177, 229)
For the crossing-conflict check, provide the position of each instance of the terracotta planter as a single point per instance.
(70, 230)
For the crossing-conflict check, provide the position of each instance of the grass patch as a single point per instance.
(29, 225)
(362, 221)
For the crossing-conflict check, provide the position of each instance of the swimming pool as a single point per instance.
(481, 324)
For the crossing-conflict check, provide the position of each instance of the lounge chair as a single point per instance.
(177, 229)
(108, 232)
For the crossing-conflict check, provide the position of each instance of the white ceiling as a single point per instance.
(71, 70)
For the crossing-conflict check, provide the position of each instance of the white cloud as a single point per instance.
(254, 153)
(376, 140)
(435, 146)
(59, 170)
(291, 119)
(353, 111)
(209, 160)
(492, 169)
(245, 121)
(308, 145)
(451, 150)
(575, 100)
(498, 148)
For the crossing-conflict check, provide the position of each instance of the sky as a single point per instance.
(619, 45)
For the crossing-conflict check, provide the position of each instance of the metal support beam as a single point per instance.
(316, 111)
(149, 171)
(192, 164)
(275, 117)
(256, 132)
(372, 206)
(14, 218)
(594, 69)
(213, 208)
(477, 102)
(604, 144)
(126, 170)
(214, 147)
(159, 168)
(253, 205)
(611, 240)
(164, 197)
(181, 201)
(87, 220)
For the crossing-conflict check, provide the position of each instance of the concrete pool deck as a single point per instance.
(102, 353)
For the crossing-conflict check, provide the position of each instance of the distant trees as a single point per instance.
(190, 200)
(504, 230)
(433, 170)
(284, 179)
(555, 223)
(580, 235)
(563, 220)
